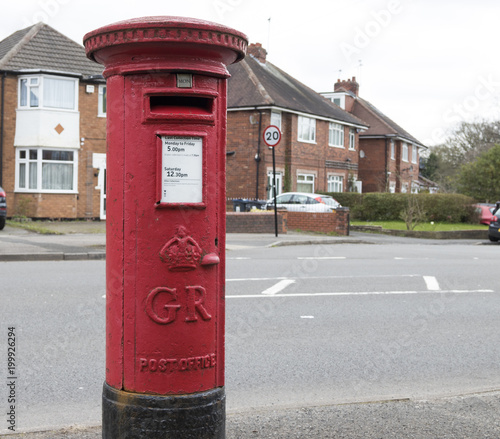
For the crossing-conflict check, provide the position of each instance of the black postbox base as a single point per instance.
(128, 415)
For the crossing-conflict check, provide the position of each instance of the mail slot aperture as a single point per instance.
(175, 104)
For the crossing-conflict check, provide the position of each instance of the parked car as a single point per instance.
(485, 212)
(3, 208)
(494, 227)
(304, 202)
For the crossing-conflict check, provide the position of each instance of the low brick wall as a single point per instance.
(332, 222)
(255, 222)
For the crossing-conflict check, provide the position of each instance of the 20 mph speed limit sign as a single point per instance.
(272, 135)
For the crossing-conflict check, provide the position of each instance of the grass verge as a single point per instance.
(422, 227)
(32, 226)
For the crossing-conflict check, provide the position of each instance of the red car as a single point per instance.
(485, 212)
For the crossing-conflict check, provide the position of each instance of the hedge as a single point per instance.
(452, 208)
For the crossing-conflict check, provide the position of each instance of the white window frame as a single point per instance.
(40, 79)
(39, 161)
(306, 129)
(414, 153)
(335, 183)
(393, 150)
(352, 139)
(279, 183)
(307, 179)
(404, 146)
(392, 187)
(102, 101)
(336, 135)
(31, 83)
(276, 119)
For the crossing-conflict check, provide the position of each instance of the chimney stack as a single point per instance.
(349, 85)
(258, 52)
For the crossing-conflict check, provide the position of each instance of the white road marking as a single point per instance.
(280, 286)
(377, 276)
(307, 317)
(367, 293)
(255, 278)
(319, 258)
(432, 283)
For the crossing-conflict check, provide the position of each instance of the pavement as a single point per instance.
(83, 240)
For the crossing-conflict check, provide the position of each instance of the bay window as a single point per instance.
(45, 91)
(46, 170)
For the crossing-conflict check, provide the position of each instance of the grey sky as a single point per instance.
(426, 64)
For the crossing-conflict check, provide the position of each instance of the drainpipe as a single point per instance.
(257, 158)
(386, 164)
(2, 104)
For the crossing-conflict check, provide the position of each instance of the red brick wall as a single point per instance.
(263, 222)
(9, 158)
(325, 222)
(93, 130)
(255, 222)
(372, 165)
(241, 168)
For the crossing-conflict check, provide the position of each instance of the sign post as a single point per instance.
(272, 136)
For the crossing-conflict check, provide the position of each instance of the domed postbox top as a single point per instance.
(165, 43)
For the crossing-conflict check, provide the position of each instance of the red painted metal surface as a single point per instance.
(166, 87)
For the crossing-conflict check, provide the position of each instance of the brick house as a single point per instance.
(52, 126)
(319, 145)
(388, 155)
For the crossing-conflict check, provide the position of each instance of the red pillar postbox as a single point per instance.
(166, 110)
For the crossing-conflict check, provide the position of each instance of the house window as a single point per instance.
(307, 129)
(279, 184)
(414, 154)
(404, 188)
(352, 139)
(305, 183)
(101, 109)
(337, 101)
(335, 183)
(392, 187)
(393, 151)
(29, 92)
(48, 92)
(336, 135)
(276, 119)
(405, 152)
(46, 170)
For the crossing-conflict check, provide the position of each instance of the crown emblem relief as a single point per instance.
(182, 252)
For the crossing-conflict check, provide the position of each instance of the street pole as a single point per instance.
(274, 194)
